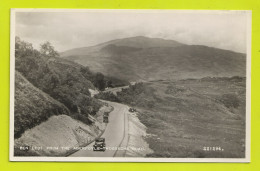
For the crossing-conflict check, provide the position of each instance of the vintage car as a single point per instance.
(132, 109)
(106, 113)
(105, 119)
(99, 145)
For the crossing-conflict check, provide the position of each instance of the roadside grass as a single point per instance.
(187, 116)
(181, 137)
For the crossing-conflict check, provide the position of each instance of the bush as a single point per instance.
(99, 81)
(230, 100)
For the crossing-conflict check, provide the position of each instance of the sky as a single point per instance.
(67, 30)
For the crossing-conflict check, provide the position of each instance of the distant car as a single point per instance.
(106, 113)
(105, 118)
(132, 110)
(99, 145)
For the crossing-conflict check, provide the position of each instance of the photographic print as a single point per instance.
(130, 85)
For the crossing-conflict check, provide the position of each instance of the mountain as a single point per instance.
(143, 58)
(133, 42)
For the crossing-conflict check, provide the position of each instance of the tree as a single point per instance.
(109, 83)
(100, 81)
(22, 48)
(48, 50)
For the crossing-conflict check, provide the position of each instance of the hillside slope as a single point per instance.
(32, 106)
(58, 87)
(153, 59)
(186, 116)
(65, 81)
(61, 80)
(59, 136)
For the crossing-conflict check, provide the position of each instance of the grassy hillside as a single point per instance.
(185, 117)
(32, 106)
(153, 59)
(57, 87)
(60, 79)
(65, 81)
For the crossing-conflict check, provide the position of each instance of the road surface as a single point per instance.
(116, 135)
(115, 90)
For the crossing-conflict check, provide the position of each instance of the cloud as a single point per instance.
(66, 30)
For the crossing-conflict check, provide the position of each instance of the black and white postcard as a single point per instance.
(130, 85)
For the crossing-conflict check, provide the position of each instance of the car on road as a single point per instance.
(99, 145)
(106, 113)
(105, 119)
(132, 109)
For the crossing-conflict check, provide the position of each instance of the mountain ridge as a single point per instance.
(127, 59)
(129, 41)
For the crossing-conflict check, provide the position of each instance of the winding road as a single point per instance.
(116, 135)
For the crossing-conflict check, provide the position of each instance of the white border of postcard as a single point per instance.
(132, 159)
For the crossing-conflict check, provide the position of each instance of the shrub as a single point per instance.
(230, 100)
